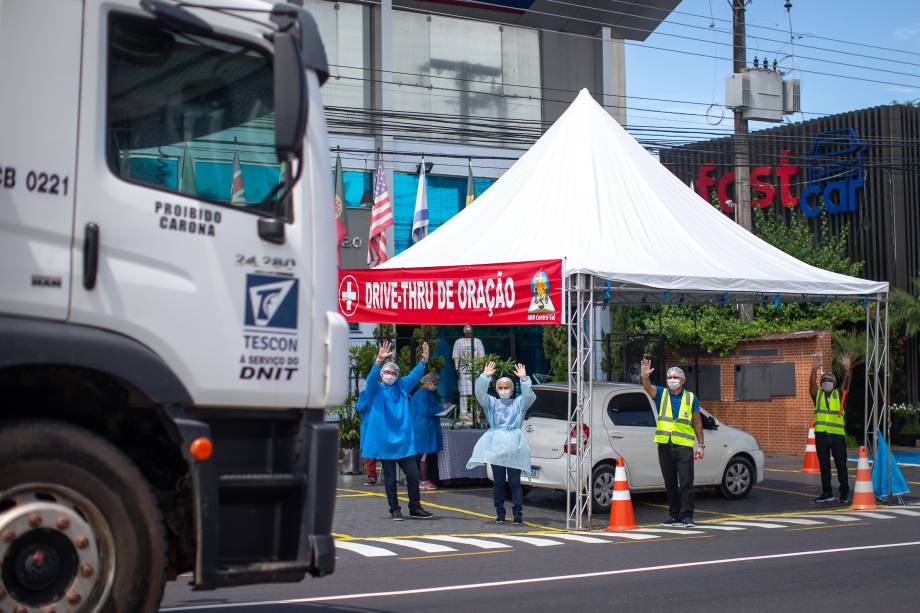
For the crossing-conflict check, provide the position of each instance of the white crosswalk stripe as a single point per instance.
(756, 524)
(835, 517)
(902, 511)
(530, 540)
(633, 536)
(371, 548)
(795, 520)
(413, 544)
(576, 537)
(368, 551)
(871, 514)
(467, 540)
(671, 531)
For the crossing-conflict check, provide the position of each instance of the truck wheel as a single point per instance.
(738, 479)
(79, 526)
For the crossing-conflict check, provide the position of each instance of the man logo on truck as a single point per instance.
(271, 302)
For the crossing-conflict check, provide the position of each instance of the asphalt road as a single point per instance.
(747, 556)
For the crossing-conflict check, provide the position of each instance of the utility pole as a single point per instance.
(742, 156)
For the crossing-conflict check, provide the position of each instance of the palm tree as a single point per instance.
(905, 310)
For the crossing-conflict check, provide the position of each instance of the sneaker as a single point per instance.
(420, 514)
(370, 482)
(672, 523)
(688, 523)
(427, 485)
(518, 521)
(397, 515)
(500, 520)
(843, 500)
(824, 498)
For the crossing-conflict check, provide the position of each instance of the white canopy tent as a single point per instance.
(587, 193)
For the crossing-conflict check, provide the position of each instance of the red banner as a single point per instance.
(487, 294)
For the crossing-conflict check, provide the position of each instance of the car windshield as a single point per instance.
(191, 114)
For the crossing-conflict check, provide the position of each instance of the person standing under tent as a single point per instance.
(370, 464)
(679, 428)
(830, 432)
(390, 432)
(428, 440)
(464, 349)
(503, 445)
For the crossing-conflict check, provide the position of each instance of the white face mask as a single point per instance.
(504, 394)
(673, 384)
(828, 387)
(388, 379)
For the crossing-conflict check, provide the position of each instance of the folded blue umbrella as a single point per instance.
(880, 474)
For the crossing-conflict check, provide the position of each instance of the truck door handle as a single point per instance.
(90, 255)
(616, 435)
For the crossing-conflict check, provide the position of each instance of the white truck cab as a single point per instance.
(169, 336)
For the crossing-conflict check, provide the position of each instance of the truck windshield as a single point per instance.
(190, 114)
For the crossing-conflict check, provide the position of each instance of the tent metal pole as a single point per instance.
(886, 415)
(866, 383)
(876, 383)
(570, 317)
(581, 321)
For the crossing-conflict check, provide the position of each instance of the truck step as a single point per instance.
(259, 480)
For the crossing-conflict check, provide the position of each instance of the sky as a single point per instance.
(894, 24)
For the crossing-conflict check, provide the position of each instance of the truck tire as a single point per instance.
(80, 528)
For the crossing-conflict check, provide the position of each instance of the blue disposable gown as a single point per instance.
(425, 408)
(503, 444)
(389, 433)
(361, 409)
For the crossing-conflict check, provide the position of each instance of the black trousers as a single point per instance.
(677, 469)
(835, 445)
(409, 466)
(500, 474)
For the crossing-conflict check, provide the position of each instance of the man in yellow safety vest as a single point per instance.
(830, 435)
(678, 431)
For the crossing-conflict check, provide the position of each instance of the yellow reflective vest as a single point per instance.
(829, 414)
(678, 431)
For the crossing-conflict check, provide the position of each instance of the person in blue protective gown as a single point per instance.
(390, 429)
(428, 441)
(503, 445)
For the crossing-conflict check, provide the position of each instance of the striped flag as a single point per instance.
(341, 229)
(420, 219)
(381, 219)
(237, 191)
(470, 187)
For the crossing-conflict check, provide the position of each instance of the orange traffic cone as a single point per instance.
(863, 494)
(811, 454)
(621, 510)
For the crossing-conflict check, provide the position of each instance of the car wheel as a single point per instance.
(738, 479)
(602, 487)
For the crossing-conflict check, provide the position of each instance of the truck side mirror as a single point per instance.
(290, 96)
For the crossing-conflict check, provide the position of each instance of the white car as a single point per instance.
(624, 424)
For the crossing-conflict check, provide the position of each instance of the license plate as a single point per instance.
(534, 472)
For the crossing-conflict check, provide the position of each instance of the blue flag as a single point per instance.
(880, 474)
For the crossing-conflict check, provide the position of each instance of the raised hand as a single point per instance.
(386, 350)
(845, 360)
(489, 369)
(425, 352)
(645, 368)
(816, 362)
(520, 371)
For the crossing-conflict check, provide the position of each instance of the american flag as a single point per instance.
(237, 192)
(381, 219)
